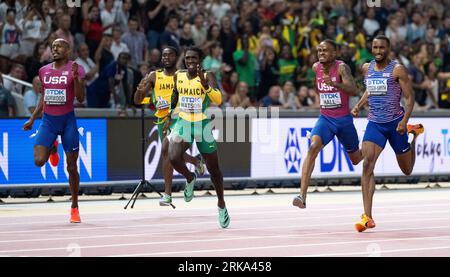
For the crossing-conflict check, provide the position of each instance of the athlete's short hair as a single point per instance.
(331, 42)
(63, 41)
(383, 37)
(175, 50)
(195, 49)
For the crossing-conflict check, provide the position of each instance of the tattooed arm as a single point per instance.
(348, 84)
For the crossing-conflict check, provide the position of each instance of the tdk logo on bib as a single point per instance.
(377, 86)
(330, 96)
(55, 92)
(376, 82)
(55, 80)
(191, 100)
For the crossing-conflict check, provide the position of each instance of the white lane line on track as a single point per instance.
(293, 210)
(238, 229)
(379, 253)
(78, 228)
(279, 209)
(279, 246)
(222, 239)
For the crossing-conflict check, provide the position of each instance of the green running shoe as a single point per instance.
(224, 218)
(165, 200)
(189, 189)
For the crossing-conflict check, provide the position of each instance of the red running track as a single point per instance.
(409, 223)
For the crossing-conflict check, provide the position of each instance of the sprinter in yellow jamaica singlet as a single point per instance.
(193, 91)
(161, 81)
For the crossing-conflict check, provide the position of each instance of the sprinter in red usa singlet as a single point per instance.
(334, 84)
(62, 81)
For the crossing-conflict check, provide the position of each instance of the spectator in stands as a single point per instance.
(103, 55)
(17, 71)
(308, 98)
(117, 45)
(10, 35)
(200, 6)
(33, 27)
(155, 12)
(101, 93)
(31, 97)
(245, 62)
(212, 37)
(7, 102)
(417, 77)
(307, 75)
(229, 81)
(108, 16)
(431, 38)
(218, 9)
(213, 61)
(154, 60)
(240, 97)
(46, 19)
(289, 67)
(121, 82)
(370, 25)
(47, 56)
(416, 29)
(228, 41)
(170, 35)
(288, 98)
(199, 31)
(93, 29)
(86, 7)
(136, 42)
(186, 36)
(433, 79)
(4, 7)
(269, 72)
(253, 42)
(266, 40)
(90, 69)
(52, 6)
(64, 30)
(272, 99)
(395, 32)
(33, 63)
(123, 15)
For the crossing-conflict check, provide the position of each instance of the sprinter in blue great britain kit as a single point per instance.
(386, 81)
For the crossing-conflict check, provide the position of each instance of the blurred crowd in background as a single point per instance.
(261, 52)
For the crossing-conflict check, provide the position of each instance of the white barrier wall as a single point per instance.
(279, 147)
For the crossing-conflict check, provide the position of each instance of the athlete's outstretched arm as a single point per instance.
(401, 74)
(213, 92)
(37, 112)
(348, 83)
(145, 85)
(363, 101)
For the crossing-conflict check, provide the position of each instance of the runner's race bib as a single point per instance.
(191, 104)
(55, 96)
(376, 86)
(330, 100)
(162, 104)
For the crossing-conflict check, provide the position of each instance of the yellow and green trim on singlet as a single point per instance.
(193, 100)
(161, 97)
